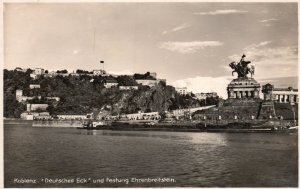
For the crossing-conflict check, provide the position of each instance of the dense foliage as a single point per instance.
(84, 94)
(143, 76)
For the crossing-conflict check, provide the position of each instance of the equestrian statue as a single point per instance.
(242, 68)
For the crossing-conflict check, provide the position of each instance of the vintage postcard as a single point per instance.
(150, 94)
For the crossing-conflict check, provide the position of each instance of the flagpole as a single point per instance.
(102, 62)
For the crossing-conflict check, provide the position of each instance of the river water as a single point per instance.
(69, 157)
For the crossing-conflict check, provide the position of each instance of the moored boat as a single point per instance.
(93, 125)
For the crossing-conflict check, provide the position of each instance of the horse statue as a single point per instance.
(252, 69)
(242, 67)
(233, 66)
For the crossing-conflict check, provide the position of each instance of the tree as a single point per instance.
(62, 71)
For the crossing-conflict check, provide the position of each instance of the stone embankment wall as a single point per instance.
(19, 122)
(57, 123)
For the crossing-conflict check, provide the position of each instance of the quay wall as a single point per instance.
(57, 123)
(19, 122)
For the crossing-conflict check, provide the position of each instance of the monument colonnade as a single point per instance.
(285, 96)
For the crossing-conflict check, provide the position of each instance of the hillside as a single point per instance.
(84, 94)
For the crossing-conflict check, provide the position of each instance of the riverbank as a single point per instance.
(179, 126)
(20, 122)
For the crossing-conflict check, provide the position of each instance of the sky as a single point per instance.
(189, 44)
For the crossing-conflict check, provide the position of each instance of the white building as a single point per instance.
(39, 71)
(153, 74)
(143, 116)
(21, 98)
(123, 88)
(35, 107)
(181, 90)
(110, 83)
(147, 82)
(72, 117)
(202, 96)
(35, 115)
(19, 95)
(27, 116)
(34, 86)
(53, 98)
(99, 72)
(33, 76)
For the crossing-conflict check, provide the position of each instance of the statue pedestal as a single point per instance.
(243, 87)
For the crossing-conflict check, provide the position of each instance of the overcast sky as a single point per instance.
(189, 44)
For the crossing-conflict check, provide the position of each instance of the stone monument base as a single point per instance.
(243, 88)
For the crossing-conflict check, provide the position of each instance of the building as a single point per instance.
(36, 107)
(53, 98)
(123, 88)
(39, 71)
(19, 95)
(33, 76)
(110, 83)
(143, 116)
(99, 72)
(181, 90)
(147, 82)
(202, 96)
(36, 116)
(34, 86)
(27, 116)
(281, 95)
(21, 98)
(72, 117)
(153, 74)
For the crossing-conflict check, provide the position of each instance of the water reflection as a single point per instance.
(91, 132)
(147, 134)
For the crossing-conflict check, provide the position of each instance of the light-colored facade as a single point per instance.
(181, 90)
(123, 88)
(143, 116)
(19, 95)
(153, 74)
(33, 76)
(202, 96)
(72, 117)
(39, 71)
(34, 86)
(147, 82)
(110, 83)
(281, 95)
(35, 116)
(21, 98)
(53, 98)
(27, 116)
(99, 72)
(36, 107)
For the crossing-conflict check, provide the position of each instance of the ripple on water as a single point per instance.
(193, 159)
